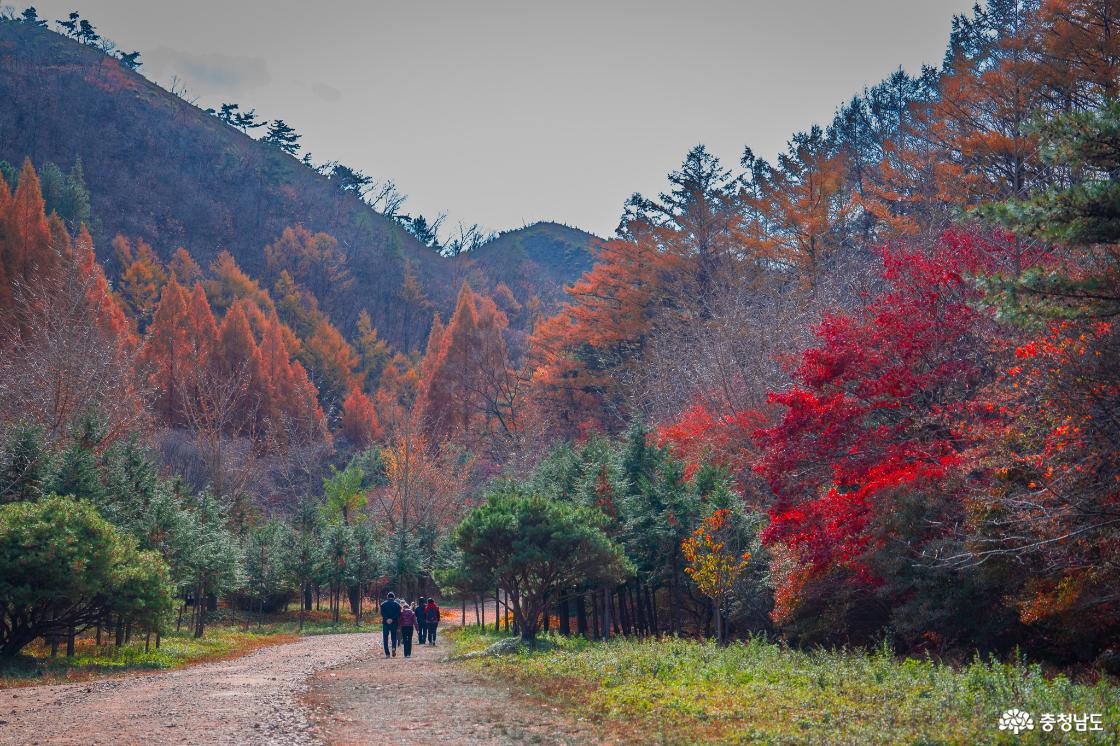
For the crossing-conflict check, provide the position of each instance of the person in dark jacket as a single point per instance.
(431, 617)
(390, 617)
(408, 623)
(421, 623)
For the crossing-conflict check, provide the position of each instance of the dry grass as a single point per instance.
(90, 661)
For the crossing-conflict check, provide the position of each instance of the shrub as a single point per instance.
(64, 568)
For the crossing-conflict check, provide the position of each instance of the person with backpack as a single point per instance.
(421, 622)
(431, 616)
(390, 616)
(408, 622)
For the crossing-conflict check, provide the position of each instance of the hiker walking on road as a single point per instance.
(408, 622)
(421, 623)
(431, 617)
(390, 617)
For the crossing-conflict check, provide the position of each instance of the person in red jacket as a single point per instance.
(431, 617)
(407, 624)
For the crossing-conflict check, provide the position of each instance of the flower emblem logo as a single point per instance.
(1016, 721)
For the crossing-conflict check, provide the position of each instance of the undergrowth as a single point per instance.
(684, 691)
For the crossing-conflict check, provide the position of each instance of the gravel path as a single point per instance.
(248, 700)
(427, 700)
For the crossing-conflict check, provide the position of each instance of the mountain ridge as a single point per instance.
(161, 169)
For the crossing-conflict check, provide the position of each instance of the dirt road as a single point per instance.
(337, 689)
(249, 700)
(428, 700)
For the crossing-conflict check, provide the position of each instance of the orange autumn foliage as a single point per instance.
(142, 277)
(359, 419)
(580, 355)
(27, 251)
(466, 386)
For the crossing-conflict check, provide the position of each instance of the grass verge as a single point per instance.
(682, 691)
(228, 635)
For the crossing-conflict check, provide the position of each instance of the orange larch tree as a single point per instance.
(229, 284)
(26, 250)
(237, 358)
(315, 261)
(468, 389)
(581, 357)
(166, 356)
(359, 420)
(142, 278)
(184, 267)
(799, 209)
(292, 403)
(66, 348)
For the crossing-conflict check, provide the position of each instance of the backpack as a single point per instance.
(432, 613)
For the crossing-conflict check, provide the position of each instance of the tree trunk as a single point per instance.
(595, 626)
(119, 636)
(581, 615)
(497, 610)
(463, 623)
(607, 614)
(70, 642)
(562, 608)
(200, 611)
(673, 606)
(528, 624)
(638, 602)
(651, 599)
(355, 594)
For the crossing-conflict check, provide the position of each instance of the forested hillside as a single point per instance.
(161, 170)
(539, 259)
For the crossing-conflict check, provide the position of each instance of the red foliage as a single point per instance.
(700, 436)
(876, 405)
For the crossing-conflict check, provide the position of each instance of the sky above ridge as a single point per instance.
(503, 112)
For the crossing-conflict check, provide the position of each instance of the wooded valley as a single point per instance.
(865, 394)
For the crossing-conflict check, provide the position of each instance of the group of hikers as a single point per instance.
(399, 618)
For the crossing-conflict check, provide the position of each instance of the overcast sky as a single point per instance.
(504, 112)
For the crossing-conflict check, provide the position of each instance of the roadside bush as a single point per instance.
(64, 568)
